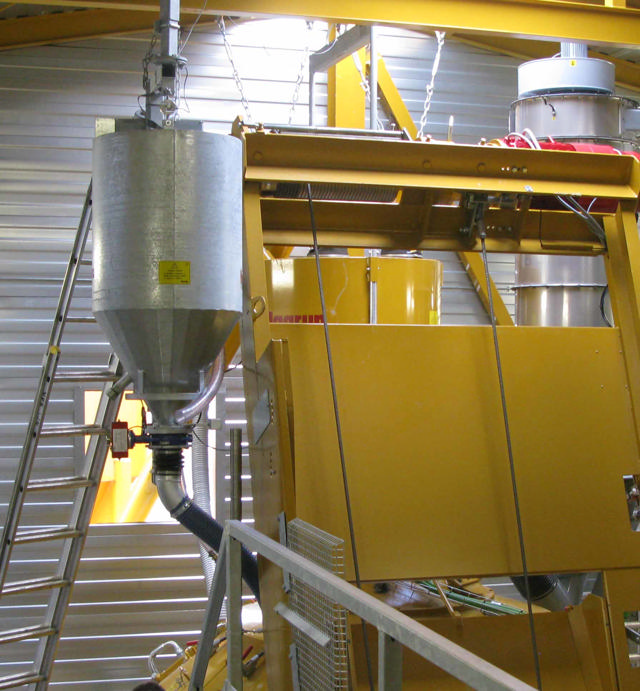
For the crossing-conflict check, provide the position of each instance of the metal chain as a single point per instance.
(364, 82)
(301, 73)
(434, 71)
(236, 76)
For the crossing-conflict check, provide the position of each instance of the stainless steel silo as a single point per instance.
(167, 255)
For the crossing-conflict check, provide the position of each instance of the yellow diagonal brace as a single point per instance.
(474, 266)
(392, 101)
(627, 73)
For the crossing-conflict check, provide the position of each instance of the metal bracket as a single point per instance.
(295, 674)
(476, 205)
(317, 636)
(282, 536)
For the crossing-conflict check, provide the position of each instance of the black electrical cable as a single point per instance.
(336, 412)
(512, 468)
(603, 312)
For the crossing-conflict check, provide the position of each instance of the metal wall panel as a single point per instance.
(140, 585)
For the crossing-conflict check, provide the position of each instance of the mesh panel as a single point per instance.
(319, 669)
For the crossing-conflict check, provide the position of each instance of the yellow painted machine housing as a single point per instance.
(425, 453)
(408, 290)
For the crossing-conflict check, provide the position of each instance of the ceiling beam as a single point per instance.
(69, 26)
(627, 73)
(595, 24)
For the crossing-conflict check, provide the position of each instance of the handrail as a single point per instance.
(393, 626)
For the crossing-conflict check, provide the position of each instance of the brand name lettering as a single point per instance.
(296, 318)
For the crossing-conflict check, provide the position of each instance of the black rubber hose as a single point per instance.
(209, 531)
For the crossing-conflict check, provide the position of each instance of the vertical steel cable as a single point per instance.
(512, 468)
(336, 411)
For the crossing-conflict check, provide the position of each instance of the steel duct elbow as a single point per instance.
(188, 412)
(173, 496)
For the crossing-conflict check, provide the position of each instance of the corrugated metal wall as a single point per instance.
(140, 584)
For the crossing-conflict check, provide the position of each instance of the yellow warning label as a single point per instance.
(573, 63)
(174, 273)
(434, 317)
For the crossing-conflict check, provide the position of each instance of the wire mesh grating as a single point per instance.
(319, 668)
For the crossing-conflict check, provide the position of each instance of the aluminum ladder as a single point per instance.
(84, 486)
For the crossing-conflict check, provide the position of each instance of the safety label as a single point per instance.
(174, 273)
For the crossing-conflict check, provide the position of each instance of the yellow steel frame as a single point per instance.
(432, 452)
(579, 21)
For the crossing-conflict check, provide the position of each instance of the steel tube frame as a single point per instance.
(391, 624)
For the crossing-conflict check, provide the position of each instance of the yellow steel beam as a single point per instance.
(545, 19)
(439, 166)
(627, 73)
(70, 26)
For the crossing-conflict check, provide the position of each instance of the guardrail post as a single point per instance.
(389, 663)
(234, 614)
(211, 617)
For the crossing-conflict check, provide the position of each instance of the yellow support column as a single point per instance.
(346, 98)
(623, 270)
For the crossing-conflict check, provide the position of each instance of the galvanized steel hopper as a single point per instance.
(167, 255)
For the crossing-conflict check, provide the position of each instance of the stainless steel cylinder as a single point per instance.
(567, 98)
(559, 291)
(167, 255)
(573, 116)
(566, 74)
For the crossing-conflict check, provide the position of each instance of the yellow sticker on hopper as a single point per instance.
(174, 273)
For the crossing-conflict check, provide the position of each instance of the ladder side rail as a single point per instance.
(95, 458)
(73, 268)
(50, 364)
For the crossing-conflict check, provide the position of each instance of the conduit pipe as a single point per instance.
(188, 412)
(201, 488)
(167, 476)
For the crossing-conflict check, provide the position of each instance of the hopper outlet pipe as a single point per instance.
(167, 477)
(195, 407)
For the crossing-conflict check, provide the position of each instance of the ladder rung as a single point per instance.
(85, 262)
(71, 430)
(23, 679)
(86, 376)
(81, 320)
(41, 534)
(32, 584)
(22, 634)
(59, 483)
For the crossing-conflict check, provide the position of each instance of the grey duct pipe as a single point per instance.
(201, 488)
(546, 591)
(572, 49)
(167, 476)
(183, 415)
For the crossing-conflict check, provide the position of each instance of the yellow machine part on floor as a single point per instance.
(178, 675)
